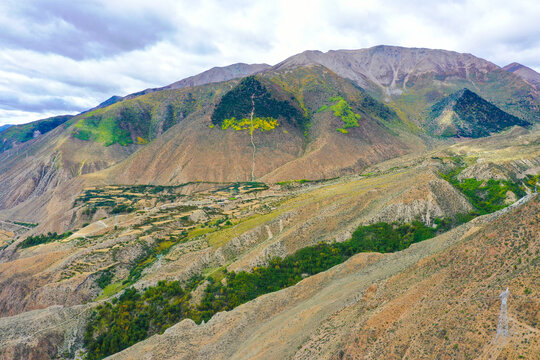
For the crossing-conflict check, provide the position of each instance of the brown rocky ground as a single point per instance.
(437, 299)
(370, 289)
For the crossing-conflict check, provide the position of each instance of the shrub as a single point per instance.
(43, 239)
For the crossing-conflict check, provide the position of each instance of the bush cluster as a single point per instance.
(43, 239)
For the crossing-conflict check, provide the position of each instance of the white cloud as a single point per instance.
(80, 54)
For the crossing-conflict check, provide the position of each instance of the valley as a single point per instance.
(340, 205)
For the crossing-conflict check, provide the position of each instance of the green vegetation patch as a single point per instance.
(110, 290)
(486, 196)
(43, 239)
(136, 315)
(23, 133)
(105, 278)
(122, 208)
(22, 223)
(105, 130)
(263, 124)
(342, 110)
(464, 113)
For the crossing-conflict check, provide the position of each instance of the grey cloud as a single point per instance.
(81, 30)
(37, 104)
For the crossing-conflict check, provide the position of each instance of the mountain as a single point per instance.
(4, 127)
(413, 78)
(131, 243)
(349, 204)
(218, 74)
(294, 136)
(213, 75)
(524, 72)
(316, 115)
(17, 134)
(310, 210)
(434, 300)
(465, 114)
(110, 101)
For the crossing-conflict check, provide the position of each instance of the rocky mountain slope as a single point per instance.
(336, 129)
(440, 298)
(176, 232)
(411, 78)
(524, 72)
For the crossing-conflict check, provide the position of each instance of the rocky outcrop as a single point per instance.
(434, 198)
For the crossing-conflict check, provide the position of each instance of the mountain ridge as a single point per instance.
(390, 73)
(168, 137)
(524, 72)
(215, 74)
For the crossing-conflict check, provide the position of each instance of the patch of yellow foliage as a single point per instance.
(263, 124)
(141, 141)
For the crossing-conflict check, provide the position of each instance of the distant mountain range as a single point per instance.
(215, 74)
(314, 115)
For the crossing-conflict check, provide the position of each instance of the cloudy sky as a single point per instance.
(65, 56)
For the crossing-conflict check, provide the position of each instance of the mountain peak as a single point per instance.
(524, 72)
(218, 74)
(392, 70)
(513, 67)
(466, 114)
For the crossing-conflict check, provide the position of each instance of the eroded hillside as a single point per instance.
(137, 235)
